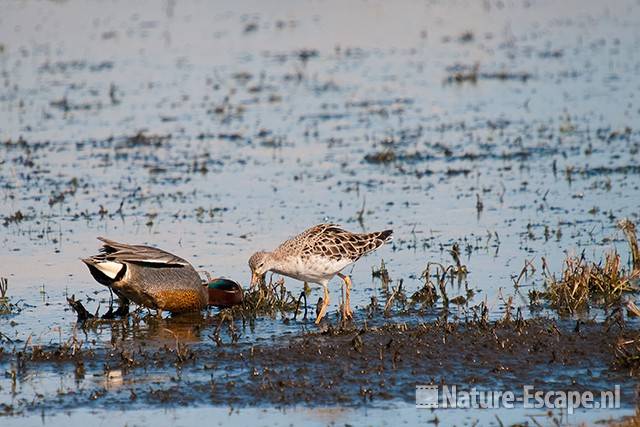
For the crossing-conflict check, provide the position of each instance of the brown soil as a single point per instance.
(349, 367)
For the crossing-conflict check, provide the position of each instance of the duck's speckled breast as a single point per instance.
(180, 300)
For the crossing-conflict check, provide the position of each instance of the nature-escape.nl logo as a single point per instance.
(450, 396)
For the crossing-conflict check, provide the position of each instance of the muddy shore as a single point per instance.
(346, 367)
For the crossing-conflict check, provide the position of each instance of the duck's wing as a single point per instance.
(123, 253)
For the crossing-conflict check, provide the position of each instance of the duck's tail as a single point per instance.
(104, 271)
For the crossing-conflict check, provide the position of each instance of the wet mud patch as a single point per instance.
(346, 367)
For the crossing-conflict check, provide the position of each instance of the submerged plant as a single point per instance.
(427, 294)
(382, 273)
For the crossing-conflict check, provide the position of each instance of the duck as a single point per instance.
(156, 279)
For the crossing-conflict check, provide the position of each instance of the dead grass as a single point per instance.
(583, 283)
(629, 230)
(266, 299)
(6, 306)
(631, 421)
(427, 295)
(381, 273)
(627, 355)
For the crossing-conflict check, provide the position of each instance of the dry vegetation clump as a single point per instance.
(627, 354)
(427, 295)
(582, 283)
(4, 286)
(6, 306)
(629, 230)
(631, 421)
(266, 299)
(381, 273)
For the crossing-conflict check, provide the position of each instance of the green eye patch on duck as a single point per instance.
(224, 292)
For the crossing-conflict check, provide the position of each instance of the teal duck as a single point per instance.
(149, 277)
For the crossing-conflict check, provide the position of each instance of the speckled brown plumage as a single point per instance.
(331, 241)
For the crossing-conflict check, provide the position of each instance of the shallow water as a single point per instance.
(402, 414)
(258, 120)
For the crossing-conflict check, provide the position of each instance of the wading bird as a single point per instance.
(316, 256)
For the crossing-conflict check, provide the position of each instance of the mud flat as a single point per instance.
(336, 367)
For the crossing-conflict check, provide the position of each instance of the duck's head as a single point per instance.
(259, 263)
(223, 292)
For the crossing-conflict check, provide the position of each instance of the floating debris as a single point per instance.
(385, 156)
(14, 218)
(472, 74)
(141, 139)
